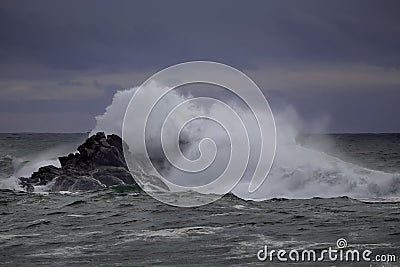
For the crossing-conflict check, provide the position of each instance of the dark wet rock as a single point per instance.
(99, 163)
(81, 183)
(109, 180)
(26, 184)
(109, 173)
(98, 150)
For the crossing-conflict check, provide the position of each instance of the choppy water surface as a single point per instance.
(125, 227)
(129, 228)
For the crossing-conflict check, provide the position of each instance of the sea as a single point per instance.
(349, 202)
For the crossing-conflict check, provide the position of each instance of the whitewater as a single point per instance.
(298, 172)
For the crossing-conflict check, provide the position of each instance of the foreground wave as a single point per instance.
(124, 226)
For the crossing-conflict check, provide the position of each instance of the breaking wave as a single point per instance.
(297, 172)
(11, 168)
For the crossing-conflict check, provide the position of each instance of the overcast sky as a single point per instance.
(62, 61)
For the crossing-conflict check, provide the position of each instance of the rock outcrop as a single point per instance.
(99, 163)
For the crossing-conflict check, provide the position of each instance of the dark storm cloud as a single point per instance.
(62, 61)
(132, 34)
(70, 83)
(358, 110)
(84, 35)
